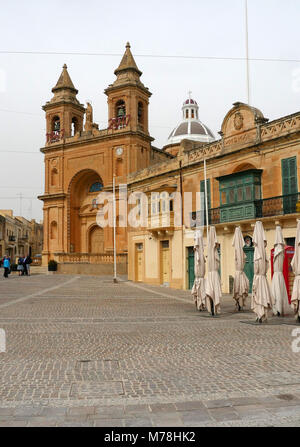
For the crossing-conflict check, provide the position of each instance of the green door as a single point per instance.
(191, 271)
(289, 184)
(249, 265)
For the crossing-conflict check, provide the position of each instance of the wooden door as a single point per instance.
(96, 242)
(139, 265)
(165, 263)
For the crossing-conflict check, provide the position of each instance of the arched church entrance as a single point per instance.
(84, 235)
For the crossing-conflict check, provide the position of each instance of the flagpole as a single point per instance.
(247, 53)
(114, 219)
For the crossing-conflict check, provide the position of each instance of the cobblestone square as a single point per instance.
(82, 351)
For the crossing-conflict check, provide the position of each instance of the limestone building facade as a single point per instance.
(19, 236)
(253, 172)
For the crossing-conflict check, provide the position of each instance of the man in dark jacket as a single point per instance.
(26, 261)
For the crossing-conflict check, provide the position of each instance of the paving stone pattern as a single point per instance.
(82, 351)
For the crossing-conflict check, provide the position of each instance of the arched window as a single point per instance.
(193, 113)
(97, 186)
(74, 126)
(120, 109)
(55, 126)
(186, 113)
(121, 114)
(140, 113)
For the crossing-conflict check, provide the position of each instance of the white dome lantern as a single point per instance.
(190, 127)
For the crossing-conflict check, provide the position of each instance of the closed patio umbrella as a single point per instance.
(198, 290)
(241, 282)
(213, 282)
(262, 299)
(278, 286)
(296, 269)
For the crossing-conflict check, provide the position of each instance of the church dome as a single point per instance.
(190, 127)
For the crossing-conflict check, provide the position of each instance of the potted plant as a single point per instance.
(52, 266)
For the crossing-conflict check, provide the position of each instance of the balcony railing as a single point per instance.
(12, 238)
(24, 237)
(161, 221)
(274, 206)
(54, 136)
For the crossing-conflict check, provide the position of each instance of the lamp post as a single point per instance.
(114, 223)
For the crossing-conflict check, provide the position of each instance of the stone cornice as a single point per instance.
(140, 86)
(94, 139)
(54, 196)
(53, 105)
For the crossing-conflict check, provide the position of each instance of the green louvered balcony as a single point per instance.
(274, 206)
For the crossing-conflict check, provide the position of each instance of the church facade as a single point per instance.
(81, 161)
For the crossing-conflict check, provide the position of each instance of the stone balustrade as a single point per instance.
(86, 258)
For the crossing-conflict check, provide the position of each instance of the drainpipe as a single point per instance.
(182, 233)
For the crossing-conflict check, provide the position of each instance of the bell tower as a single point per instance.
(128, 98)
(64, 113)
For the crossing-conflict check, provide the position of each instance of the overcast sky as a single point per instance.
(214, 28)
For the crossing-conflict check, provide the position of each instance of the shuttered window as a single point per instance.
(289, 176)
(289, 184)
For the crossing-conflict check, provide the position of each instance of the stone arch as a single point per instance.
(120, 108)
(243, 167)
(74, 126)
(55, 124)
(77, 192)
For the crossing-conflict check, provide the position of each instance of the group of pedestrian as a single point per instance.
(23, 266)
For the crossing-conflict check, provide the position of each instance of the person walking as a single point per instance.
(26, 262)
(20, 267)
(6, 266)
